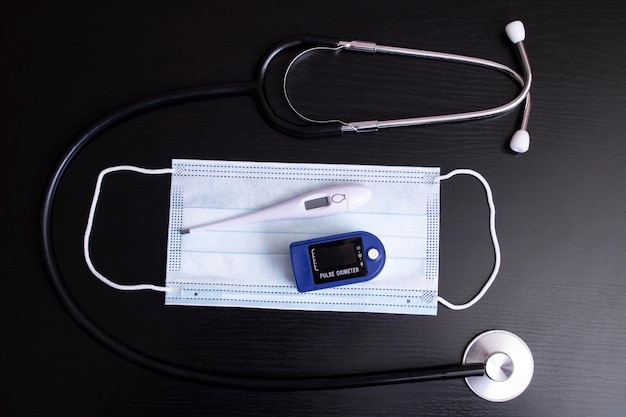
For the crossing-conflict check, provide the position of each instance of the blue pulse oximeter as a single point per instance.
(336, 260)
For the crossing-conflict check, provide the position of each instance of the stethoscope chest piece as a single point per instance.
(508, 363)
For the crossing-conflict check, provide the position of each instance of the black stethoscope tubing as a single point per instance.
(255, 89)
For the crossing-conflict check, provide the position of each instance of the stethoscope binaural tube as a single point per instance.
(516, 33)
(446, 118)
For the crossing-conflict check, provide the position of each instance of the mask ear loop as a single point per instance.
(494, 239)
(92, 212)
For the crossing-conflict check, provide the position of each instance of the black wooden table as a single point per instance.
(561, 207)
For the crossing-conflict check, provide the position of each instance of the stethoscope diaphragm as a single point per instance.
(509, 365)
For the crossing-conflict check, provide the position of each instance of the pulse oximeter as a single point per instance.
(336, 260)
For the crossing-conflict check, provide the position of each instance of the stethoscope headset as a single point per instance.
(497, 365)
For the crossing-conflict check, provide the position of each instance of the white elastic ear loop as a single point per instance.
(92, 212)
(494, 239)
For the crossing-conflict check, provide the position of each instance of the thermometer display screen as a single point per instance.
(317, 203)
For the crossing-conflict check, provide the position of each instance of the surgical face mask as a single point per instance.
(249, 265)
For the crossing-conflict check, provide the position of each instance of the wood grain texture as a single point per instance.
(561, 207)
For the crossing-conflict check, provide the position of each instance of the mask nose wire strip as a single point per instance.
(494, 239)
(92, 212)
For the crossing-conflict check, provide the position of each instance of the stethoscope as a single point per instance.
(497, 364)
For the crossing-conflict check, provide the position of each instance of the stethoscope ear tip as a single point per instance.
(515, 31)
(520, 142)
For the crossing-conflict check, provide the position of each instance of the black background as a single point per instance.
(561, 206)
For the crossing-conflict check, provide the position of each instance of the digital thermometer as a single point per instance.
(323, 202)
(336, 260)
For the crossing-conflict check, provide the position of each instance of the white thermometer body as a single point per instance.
(323, 202)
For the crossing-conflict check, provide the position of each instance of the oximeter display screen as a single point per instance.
(337, 260)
